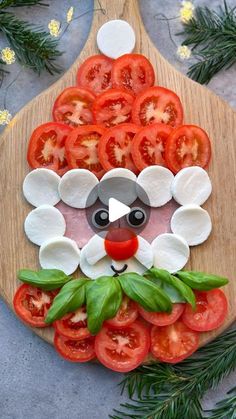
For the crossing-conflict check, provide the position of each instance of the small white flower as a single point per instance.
(69, 15)
(184, 52)
(5, 117)
(54, 27)
(188, 5)
(8, 55)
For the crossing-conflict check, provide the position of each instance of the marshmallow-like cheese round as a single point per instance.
(170, 252)
(156, 182)
(77, 188)
(116, 38)
(60, 253)
(41, 187)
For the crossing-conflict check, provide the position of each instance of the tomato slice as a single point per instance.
(73, 325)
(174, 342)
(148, 145)
(122, 349)
(157, 105)
(82, 149)
(114, 149)
(31, 304)
(133, 72)
(95, 74)
(212, 308)
(75, 350)
(126, 314)
(47, 147)
(74, 107)
(162, 319)
(113, 107)
(187, 146)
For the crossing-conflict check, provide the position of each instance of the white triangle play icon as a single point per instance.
(117, 209)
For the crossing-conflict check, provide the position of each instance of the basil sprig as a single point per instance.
(201, 281)
(177, 290)
(70, 298)
(145, 292)
(104, 297)
(46, 279)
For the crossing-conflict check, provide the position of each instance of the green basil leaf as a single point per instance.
(145, 292)
(47, 279)
(104, 297)
(70, 298)
(174, 287)
(201, 281)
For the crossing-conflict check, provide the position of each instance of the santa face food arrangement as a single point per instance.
(118, 142)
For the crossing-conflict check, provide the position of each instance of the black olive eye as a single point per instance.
(137, 217)
(101, 218)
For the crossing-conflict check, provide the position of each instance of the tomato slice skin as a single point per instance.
(73, 325)
(31, 304)
(133, 72)
(148, 145)
(82, 149)
(188, 145)
(174, 342)
(211, 311)
(126, 314)
(75, 350)
(114, 149)
(157, 105)
(46, 147)
(113, 107)
(122, 349)
(95, 74)
(162, 319)
(74, 107)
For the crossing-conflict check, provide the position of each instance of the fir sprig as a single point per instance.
(212, 36)
(226, 408)
(20, 3)
(162, 391)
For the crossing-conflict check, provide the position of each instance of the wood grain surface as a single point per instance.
(202, 107)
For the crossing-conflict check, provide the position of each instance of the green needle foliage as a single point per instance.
(162, 391)
(226, 408)
(20, 3)
(213, 39)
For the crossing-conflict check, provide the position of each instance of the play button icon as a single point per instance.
(117, 209)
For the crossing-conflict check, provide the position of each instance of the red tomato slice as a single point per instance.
(31, 304)
(133, 72)
(174, 342)
(95, 74)
(155, 105)
(113, 107)
(162, 319)
(82, 149)
(122, 349)
(74, 107)
(114, 149)
(75, 350)
(212, 308)
(148, 146)
(187, 146)
(47, 147)
(73, 325)
(126, 314)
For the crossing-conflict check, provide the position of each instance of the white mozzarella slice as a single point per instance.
(41, 187)
(94, 250)
(154, 186)
(60, 253)
(116, 38)
(144, 253)
(44, 223)
(101, 268)
(191, 185)
(193, 223)
(119, 183)
(77, 188)
(170, 252)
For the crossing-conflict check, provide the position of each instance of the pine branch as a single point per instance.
(20, 3)
(226, 408)
(33, 47)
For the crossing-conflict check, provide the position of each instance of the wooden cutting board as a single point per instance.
(202, 107)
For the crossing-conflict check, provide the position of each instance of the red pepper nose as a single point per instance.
(121, 243)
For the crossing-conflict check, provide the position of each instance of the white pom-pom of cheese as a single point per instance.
(155, 183)
(60, 253)
(41, 187)
(77, 188)
(170, 252)
(116, 38)
(118, 183)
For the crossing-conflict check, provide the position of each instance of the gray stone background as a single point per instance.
(34, 382)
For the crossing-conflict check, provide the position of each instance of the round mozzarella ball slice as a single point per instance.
(154, 186)
(77, 188)
(44, 223)
(100, 268)
(193, 223)
(60, 253)
(144, 253)
(118, 183)
(41, 187)
(116, 38)
(191, 185)
(170, 252)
